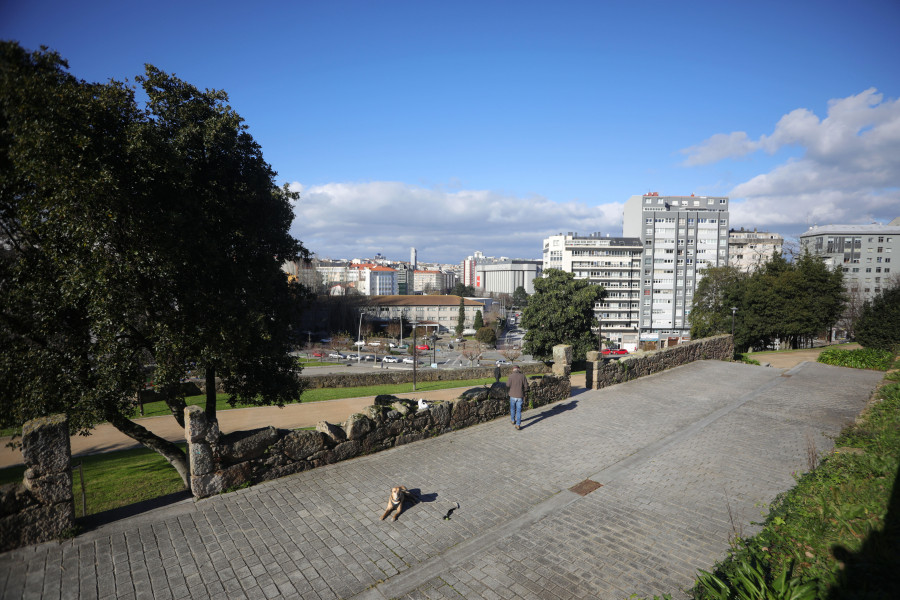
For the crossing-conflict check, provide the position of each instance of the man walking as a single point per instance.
(517, 385)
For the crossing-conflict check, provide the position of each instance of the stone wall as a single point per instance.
(603, 372)
(40, 508)
(223, 462)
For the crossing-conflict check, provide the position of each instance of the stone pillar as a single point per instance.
(41, 508)
(200, 436)
(592, 370)
(562, 360)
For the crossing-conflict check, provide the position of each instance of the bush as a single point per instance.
(486, 335)
(865, 358)
(879, 324)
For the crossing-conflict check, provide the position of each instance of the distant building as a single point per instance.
(615, 264)
(429, 281)
(748, 250)
(680, 235)
(440, 311)
(863, 252)
(468, 271)
(374, 280)
(504, 277)
(412, 259)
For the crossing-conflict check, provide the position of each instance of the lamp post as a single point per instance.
(415, 352)
(733, 311)
(359, 339)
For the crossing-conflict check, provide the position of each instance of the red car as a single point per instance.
(318, 354)
(615, 351)
(423, 347)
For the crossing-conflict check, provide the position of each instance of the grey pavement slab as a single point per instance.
(686, 460)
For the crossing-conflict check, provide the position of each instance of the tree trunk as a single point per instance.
(175, 401)
(170, 451)
(210, 392)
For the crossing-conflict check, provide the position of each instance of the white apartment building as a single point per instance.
(681, 235)
(748, 250)
(374, 280)
(430, 281)
(867, 254)
(614, 263)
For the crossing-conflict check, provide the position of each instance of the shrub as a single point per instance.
(865, 358)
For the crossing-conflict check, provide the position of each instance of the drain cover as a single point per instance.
(585, 487)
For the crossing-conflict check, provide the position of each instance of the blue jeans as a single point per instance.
(515, 410)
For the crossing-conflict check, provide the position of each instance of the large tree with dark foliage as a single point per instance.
(561, 311)
(879, 324)
(135, 241)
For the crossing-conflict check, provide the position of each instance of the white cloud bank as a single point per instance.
(347, 220)
(849, 171)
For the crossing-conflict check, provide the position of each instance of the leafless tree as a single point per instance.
(471, 351)
(510, 352)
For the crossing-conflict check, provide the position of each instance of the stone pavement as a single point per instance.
(686, 459)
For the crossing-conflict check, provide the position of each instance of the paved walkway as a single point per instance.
(686, 459)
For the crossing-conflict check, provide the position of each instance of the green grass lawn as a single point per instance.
(115, 479)
(154, 409)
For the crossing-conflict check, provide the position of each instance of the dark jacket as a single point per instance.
(517, 385)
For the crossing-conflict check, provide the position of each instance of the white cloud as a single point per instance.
(849, 171)
(346, 220)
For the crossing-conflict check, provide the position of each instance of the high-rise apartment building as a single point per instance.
(503, 277)
(468, 271)
(863, 252)
(680, 235)
(748, 250)
(412, 259)
(614, 263)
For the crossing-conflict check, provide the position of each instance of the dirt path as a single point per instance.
(789, 360)
(106, 438)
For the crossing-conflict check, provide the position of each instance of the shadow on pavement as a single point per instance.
(557, 409)
(97, 520)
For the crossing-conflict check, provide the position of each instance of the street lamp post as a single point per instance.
(733, 311)
(415, 352)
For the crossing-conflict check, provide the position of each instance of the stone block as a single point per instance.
(346, 450)
(385, 400)
(246, 445)
(358, 426)
(401, 407)
(45, 444)
(408, 438)
(562, 354)
(195, 424)
(36, 525)
(592, 356)
(203, 486)
(50, 489)
(498, 390)
(561, 369)
(301, 445)
(335, 433)
(201, 458)
(476, 394)
(440, 414)
(14, 498)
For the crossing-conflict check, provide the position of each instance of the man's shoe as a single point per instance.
(518, 428)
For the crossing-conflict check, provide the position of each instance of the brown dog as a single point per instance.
(398, 495)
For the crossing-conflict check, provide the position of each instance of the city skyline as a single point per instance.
(491, 126)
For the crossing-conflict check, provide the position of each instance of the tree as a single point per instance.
(720, 289)
(879, 324)
(135, 242)
(510, 352)
(561, 311)
(520, 297)
(487, 336)
(479, 320)
(461, 320)
(462, 290)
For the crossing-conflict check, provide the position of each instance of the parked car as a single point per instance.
(614, 351)
(374, 343)
(390, 359)
(423, 347)
(368, 357)
(392, 345)
(318, 354)
(502, 362)
(350, 356)
(403, 347)
(336, 355)
(409, 360)
(326, 340)
(360, 344)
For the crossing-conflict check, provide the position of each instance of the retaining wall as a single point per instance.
(40, 508)
(222, 462)
(602, 372)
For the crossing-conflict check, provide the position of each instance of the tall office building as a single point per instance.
(412, 259)
(862, 252)
(680, 235)
(614, 263)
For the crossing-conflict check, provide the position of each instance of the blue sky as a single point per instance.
(463, 126)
